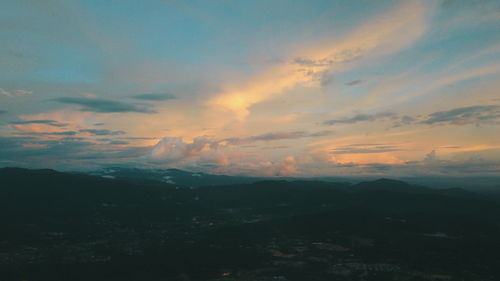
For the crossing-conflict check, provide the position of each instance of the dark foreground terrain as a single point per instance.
(69, 227)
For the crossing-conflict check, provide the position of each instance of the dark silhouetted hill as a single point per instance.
(65, 226)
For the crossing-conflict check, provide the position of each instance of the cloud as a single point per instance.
(155, 97)
(310, 62)
(360, 118)
(321, 133)
(113, 141)
(274, 136)
(431, 157)
(120, 142)
(464, 115)
(364, 148)
(141, 138)
(23, 92)
(278, 136)
(342, 56)
(383, 35)
(405, 120)
(27, 148)
(66, 154)
(463, 12)
(326, 78)
(15, 93)
(63, 133)
(103, 132)
(288, 167)
(354, 82)
(174, 149)
(104, 105)
(5, 93)
(222, 155)
(53, 123)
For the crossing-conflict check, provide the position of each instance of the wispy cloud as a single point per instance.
(78, 153)
(119, 142)
(258, 107)
(465, 115)
(155, 96)
(105, 105)
(360, 118)
(63, 133)
(354, 82)
(365, 148)
(53, 123)
(15, 93)
(383, 35)
(103, 132)
(274, 136)
(405, 120)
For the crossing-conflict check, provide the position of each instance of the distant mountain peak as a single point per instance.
(385, 184)
(390, 181)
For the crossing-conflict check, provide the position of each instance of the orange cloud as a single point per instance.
(385, 34)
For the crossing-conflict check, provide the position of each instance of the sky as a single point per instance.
(259, 88)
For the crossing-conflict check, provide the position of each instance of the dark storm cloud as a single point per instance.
(105, 105)
(103, 132)
(45, 122)
(155, 96)
(464, 115)
(359, 118)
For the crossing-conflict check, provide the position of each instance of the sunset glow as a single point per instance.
(275, 88)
